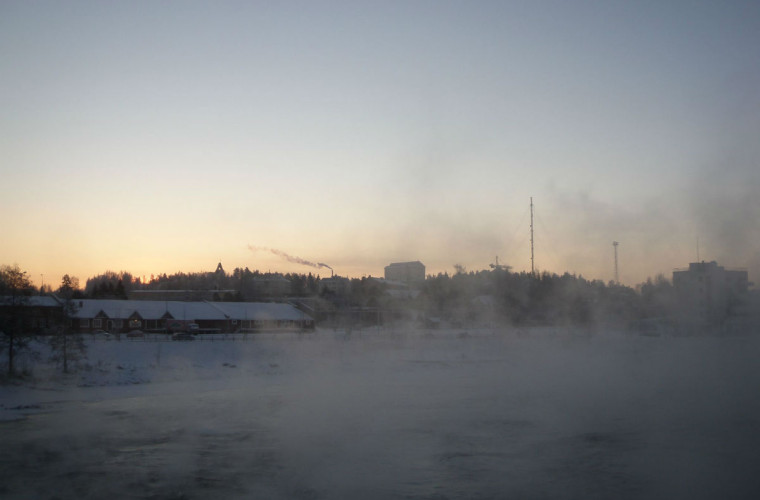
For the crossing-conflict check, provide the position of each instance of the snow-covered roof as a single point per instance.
(146, 309)
(157, 309)
(33, 301)
(260, 311)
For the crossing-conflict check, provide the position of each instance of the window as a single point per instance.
(118, 323)
(96, 323)
(84, 323)
(135, 323)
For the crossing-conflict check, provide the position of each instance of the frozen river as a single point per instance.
(394, 415)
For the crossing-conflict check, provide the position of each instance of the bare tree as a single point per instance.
(15, 289)
(65, 346)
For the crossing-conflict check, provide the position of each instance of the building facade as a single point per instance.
(711, 294)
(45, 315)
(123, 316)
(411, 273)
(336, 285)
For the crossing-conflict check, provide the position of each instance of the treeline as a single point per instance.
(502, 297)
(543, 299)
(240, 285)
(487, 296)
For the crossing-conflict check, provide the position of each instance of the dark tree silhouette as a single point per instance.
(15, 289)
(66, 347)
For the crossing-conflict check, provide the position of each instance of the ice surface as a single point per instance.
(392, 414)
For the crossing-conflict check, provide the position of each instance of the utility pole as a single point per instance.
(532, 261)
(617, 278)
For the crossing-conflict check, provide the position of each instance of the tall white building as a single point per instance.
(711, 293)
(411, 273)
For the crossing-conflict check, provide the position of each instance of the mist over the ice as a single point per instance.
(538, 413)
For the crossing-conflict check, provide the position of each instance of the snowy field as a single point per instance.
(379, 414)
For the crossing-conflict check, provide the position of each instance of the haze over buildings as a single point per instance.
(410, 273)
(157, 137)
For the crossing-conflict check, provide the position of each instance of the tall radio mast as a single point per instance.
(617, 278)
(532, 261)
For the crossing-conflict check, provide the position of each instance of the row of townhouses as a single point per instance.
(45, 314)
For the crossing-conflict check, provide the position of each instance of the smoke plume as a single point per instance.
(288, 257)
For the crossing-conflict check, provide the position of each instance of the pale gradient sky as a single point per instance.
(159, 137)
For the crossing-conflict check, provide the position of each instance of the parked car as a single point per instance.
(102, 335)
(182, 336)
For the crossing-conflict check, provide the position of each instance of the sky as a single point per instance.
(156, 137)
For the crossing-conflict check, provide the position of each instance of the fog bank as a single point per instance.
(391, 414)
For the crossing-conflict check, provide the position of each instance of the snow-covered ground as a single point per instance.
(391, 414)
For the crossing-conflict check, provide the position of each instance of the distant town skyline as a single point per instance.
(162, 137)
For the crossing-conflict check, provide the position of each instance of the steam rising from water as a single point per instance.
(413, 416)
